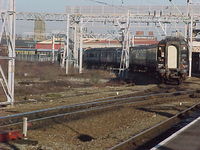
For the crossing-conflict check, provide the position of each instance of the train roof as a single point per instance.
(144, 46)
(104, 49)
(171, 38)
(119, 48)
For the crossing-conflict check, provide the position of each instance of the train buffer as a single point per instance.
(188, 138)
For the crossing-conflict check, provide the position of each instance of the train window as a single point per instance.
(104, 54)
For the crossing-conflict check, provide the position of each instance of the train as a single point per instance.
(169, 59)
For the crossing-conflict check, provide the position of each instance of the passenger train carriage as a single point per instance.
(168, 59)
(102, 57)
(143, 57)
(173, 58)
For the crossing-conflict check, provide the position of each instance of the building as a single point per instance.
(39, 30)
(48, 44)
(139, 39)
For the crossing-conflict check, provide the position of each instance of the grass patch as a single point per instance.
(53, 95)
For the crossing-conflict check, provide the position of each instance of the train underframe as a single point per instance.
(162, 75)
(172, 76)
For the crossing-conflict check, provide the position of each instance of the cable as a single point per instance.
(107, 4)
(100, 2)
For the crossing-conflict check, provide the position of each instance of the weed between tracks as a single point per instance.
(39, 78)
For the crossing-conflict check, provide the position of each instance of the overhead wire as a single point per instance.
(108, 4)
(100, 2)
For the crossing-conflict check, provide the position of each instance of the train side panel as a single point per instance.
(143, 57)
(102, 57)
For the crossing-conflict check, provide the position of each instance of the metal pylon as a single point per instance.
(73, 50)
(124, 64)
(8, 27)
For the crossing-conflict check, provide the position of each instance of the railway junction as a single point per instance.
(62, 105)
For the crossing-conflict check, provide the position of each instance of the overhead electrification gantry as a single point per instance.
(7, 22)
(76, 23)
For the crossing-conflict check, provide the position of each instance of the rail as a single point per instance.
(146, 136)
(59, 111)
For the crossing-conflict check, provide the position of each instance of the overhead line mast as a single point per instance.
(8, 27)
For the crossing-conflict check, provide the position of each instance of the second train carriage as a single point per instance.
(102, 57)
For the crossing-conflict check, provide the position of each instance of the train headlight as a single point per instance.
(162, 54)
(160, 65)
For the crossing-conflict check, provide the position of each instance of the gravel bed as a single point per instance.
(108, 128)
(103, 130)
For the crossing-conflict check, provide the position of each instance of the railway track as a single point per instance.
(81, 108)
(157, 133)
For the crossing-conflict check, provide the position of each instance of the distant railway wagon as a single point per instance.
(168, 59)
(34, 51)
(46, 51)
(26, 54)
(25, 51)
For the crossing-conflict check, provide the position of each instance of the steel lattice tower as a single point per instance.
(8, 29)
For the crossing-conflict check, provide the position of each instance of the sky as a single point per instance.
(59, 5)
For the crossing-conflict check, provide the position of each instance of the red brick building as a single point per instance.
(47, 44)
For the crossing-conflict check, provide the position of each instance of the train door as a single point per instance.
(195, 62)
(172, 57)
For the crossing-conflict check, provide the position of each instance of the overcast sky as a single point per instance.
(59, 5)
